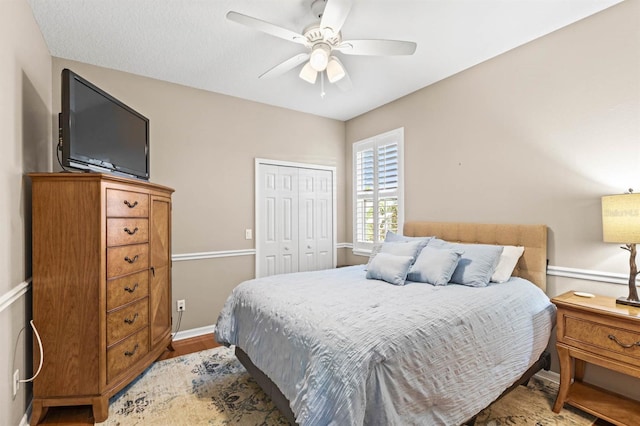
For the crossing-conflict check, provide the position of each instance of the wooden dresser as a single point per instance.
(101, 285)
(597, 331)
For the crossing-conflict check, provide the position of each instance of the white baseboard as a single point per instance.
(194, 332)
(549, 375)
(25, 419)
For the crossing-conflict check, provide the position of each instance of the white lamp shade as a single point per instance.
(319, 57)
(335, 70)
(308, 74)
(621, 218)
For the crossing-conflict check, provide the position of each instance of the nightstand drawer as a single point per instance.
(617, 341)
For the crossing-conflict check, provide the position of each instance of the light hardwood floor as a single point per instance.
(81, 416)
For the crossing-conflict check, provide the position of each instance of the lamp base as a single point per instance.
(625, 301)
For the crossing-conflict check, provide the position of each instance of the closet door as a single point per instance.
(278, 217)
(315, 219)
(294, 216)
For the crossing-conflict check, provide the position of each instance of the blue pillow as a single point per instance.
(403, 248)
(434, 266)
(477, 263)
(399, 248)
(392, 237)
(390, 268)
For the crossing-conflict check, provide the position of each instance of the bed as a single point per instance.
(333, 347)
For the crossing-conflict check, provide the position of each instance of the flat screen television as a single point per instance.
(99, 133)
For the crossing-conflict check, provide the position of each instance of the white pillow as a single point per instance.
(508, 260)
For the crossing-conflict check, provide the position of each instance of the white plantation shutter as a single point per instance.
(377, 176)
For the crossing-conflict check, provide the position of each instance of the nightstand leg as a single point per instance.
(565, 378)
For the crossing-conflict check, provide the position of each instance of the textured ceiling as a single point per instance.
(190, 42)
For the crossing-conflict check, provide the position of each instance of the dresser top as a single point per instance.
(94, 176)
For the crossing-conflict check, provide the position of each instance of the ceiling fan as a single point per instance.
(323, 40)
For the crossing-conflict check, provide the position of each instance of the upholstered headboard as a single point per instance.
(531, 266)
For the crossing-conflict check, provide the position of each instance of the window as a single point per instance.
(377, 188)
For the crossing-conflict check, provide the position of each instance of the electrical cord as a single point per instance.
(178, 327)
(59, 150)
(35, 330)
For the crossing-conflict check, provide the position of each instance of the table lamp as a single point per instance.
(621, 224)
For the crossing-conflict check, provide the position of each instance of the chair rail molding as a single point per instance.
(14, 294)
(588, 274)
(211, 254)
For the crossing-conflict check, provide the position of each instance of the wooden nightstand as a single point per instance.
(597, 331)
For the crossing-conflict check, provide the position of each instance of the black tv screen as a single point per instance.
(100, 133)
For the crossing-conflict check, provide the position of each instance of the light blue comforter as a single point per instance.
(345, 350)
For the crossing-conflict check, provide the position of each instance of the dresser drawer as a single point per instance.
(126, 353)
(127, 259)
(127, 204)
(125, 321)
(122, 231)
(121, 291)
(611, 341)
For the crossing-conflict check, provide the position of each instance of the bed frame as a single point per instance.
(531, 266)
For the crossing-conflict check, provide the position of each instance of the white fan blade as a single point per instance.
(377, 47)
(266, 27)
(285, 66)
(334, 15)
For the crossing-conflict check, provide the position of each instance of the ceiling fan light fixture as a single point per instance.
(320, 57)
(308, 74)
(335, 70)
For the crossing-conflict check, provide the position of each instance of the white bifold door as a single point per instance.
(295, 220)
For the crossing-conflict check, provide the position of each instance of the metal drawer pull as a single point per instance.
(130, 232)
(128, 259)
(128, 204)
(133, 352)
(131, 320)
(626, 346)
(131, 290)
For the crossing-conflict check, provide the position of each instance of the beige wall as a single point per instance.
(25, 123)
(204, 146)
(536, 135)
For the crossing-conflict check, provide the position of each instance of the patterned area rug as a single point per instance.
(212, 388)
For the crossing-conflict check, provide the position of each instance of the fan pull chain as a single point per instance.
(322, 92)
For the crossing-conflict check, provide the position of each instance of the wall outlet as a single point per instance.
(180, 305)
(16, 382)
